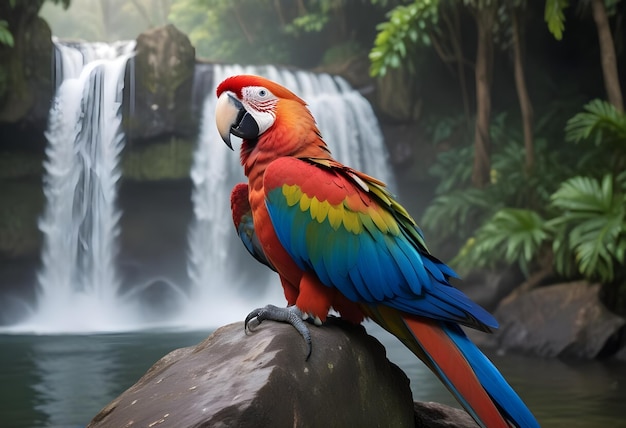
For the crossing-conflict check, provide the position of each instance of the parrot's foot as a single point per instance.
(290, 314)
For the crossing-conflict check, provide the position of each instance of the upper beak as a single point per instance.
(226, 111)
(232, 118)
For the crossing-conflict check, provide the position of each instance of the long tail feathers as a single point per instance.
(469, 375)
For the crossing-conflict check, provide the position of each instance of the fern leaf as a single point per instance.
(555, 18)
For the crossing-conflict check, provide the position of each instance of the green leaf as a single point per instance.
(600, 121)
(6, 38)
(455, 213)
(592, 225)
(406, 28)
(555, 18)
(513, 236)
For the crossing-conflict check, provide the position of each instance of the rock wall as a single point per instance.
(26, 88)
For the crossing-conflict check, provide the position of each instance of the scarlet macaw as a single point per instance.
(338, 239)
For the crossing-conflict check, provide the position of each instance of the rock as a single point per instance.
(27, 87)
(436, 415)
(164, 69)
(488, 287)
(394, 97)
(262, 379)
(564, 320)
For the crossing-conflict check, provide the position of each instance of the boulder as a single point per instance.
(163, 81)
(262, 379)
(394, 97)
(488, 287)
(563, 320)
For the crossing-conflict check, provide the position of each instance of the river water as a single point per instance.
(64, 380)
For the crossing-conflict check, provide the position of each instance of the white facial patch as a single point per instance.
(260, 103)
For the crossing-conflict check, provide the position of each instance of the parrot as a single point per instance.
(340, 241)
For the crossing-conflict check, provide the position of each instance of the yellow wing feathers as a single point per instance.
(353, 219)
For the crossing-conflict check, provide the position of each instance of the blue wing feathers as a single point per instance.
(356, 286)
(403, 262)
(370, 264)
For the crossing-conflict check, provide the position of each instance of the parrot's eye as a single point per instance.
(262, 93)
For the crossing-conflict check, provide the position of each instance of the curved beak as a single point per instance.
(232, 118)
(226, 111)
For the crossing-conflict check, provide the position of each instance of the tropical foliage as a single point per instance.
(583, 223)
(549, 200)
(603, 125)
(269, 31)
(6, 35)
(459, 208)
(408, 26)
(590, 228)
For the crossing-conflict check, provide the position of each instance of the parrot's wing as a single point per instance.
(243, 220)
(347, 228)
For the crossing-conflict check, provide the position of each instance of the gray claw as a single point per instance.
(290, 314)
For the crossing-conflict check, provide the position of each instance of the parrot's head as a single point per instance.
(249, 106)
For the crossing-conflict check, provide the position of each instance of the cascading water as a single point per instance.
(226, 282)
(78, 283)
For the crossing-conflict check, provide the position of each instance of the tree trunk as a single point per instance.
(522, 93)
(454, 28)
(483, 71)
(607, 53)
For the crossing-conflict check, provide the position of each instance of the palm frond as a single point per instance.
(455, 213)
(513, 236)
(592, 225)
(601, 122)
(453, 168)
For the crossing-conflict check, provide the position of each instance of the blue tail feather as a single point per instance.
(494, 383)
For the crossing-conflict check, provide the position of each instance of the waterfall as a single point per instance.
(78, 283)
(226, 283)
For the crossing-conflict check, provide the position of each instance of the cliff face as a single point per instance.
(26, 87)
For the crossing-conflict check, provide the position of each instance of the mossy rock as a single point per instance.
(170, 160)
(22, 205)
(26, 87)
(162, 84)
